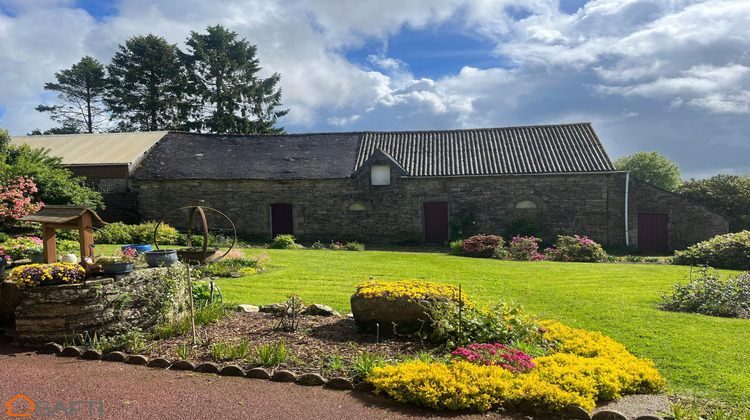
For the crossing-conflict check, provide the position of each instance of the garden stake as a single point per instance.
(460, 313)
(211, 293)
(377, 332)
(192, 305)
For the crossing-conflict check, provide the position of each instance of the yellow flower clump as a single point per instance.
(410, 290)
(33, 274)
(586, 367)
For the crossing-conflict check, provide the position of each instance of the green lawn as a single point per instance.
(699, 355)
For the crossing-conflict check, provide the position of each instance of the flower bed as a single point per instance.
(584, 368)
(38, 274)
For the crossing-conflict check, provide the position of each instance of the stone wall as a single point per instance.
(582, 204)
(105, 306)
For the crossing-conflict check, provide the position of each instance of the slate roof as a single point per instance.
(288, 156)
(492, 151)
(544, 149)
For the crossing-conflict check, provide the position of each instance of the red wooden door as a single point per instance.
(436, 221)
(281, 220)
(652, 233)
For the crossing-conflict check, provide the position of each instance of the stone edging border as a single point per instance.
(306, 379)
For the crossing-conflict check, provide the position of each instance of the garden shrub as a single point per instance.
(730, 251)
(3, 237)
(235, 266)
(20, 248)
(711, 294)
(144, 234)
(355, 246)
(524, 248)
(115, 233)
(501, 323)
(576, 249)
(456, 247)
(523, 227)
(483, 246)
(65, 246)
(585, 368)
(284, 242)
(496, 354)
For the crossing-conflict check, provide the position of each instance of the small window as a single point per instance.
(526, 204)
(357, 207)
(380, 175)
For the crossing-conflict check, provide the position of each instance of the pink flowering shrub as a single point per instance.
(483, 246)
(525, 248)
(20, 248)
(496, 354)
(576, 249)
(16, 200)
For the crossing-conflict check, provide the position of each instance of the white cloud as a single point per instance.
(672, 72)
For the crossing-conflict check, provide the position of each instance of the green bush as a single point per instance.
(711, 294)
(355, 246)
(121, 233)
(65, 246)
(523, 227)
(576, 249)
(724, 251)
(115, 233)
(501, 323)
(456, 247)
(284, 242)
(483, 246)
(144, 234)
(3, 237)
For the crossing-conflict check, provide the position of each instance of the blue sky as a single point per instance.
(666, 75)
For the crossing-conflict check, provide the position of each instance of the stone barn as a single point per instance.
(417, 186)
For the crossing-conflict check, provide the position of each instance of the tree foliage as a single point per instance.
(55, 185)
(145, 84)
(81, 90)
(725, 194)
(226, 94)
(652, 168)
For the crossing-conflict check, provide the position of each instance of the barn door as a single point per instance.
(652, 233)
(281, 220)
(436, 221)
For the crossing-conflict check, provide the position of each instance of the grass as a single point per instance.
(701, 356)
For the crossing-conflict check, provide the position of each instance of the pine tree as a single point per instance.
(145, 84)
(226, 95)
(81, 89)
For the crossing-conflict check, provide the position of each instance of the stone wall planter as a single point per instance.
(161, 257)
(408, 316)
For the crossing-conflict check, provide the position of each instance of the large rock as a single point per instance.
(407, 316)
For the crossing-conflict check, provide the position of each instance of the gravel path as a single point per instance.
(138, 392)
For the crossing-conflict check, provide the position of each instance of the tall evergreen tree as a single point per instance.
(226, 94)
(81, 89)
(145, 84)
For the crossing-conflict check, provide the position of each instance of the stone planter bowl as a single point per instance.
(161, 257)
(119, 267)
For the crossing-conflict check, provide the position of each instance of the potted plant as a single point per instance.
(4, 261)
(161, 257)
(36, 254)
(121, 263)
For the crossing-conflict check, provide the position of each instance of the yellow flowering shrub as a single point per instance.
(410, 290)
(584, 367)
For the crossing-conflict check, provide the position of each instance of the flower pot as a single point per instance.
(3, 262)
(161, 257)
(119, 267)
(139, 248)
